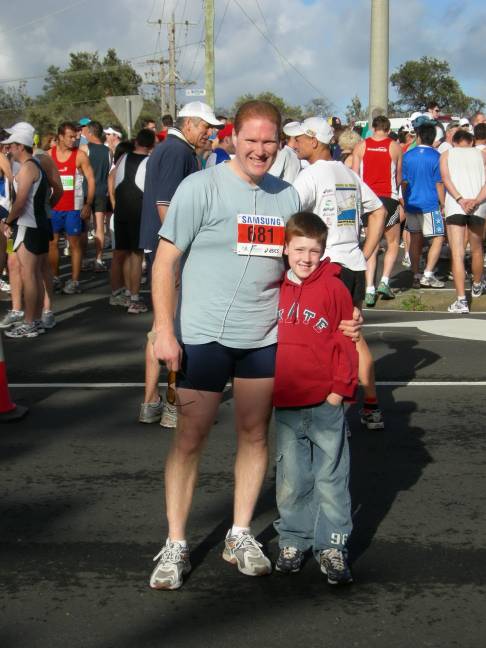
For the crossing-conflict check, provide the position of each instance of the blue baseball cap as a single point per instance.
(84, 121)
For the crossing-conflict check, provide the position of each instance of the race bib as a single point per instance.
(67, 182)
(260, 235)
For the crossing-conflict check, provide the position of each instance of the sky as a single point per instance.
(298, 49)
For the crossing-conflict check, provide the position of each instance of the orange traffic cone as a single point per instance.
(8, 411)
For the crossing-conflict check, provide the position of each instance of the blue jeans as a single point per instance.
(313, 478)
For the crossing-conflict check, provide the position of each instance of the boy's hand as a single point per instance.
(334, 399)
(352, 328)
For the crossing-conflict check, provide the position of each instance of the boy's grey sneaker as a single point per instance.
(385, 291)
(48, 319)
(71, 287)
(459, 306)
(169, 416)
(39, 326)
(23, 330)
(245, 552)
(151, 412)
(137, 307)
(477, 289)
(173, 565)
(373, 419)
(334, 564)
(12, 317)
(289, 560)
(431, 282)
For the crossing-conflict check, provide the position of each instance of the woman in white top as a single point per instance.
(463, 170)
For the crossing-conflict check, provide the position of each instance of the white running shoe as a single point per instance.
(431, 282)
(245, 552)
(459, 306)
(173, 565)
(169, 416)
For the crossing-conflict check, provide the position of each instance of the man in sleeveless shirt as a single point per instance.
(378, 160)
(70, 212)
(100, 161)
(31, 238)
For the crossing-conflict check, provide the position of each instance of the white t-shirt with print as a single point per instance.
(337, 195)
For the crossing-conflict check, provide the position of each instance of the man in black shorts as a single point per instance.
(126, 192)
(32, 235)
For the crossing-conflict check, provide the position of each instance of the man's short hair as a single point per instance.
(125, 146)
(381, 123)
(306, 224)
(432, 104)
(427, 133)
(66, 125)
(96, 129)
(167, 120)
(181, 121)
(148, 121)
(257, 109)
(480, 131)
(451, 125)
(462, 135)
(145, 137)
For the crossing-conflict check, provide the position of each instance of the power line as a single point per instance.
(41, 18)
(274, 47)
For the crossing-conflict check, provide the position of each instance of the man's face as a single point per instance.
(228, 145)
(435, 112)
(256, 146)
(304, 255)
(197, 132)
(304, 146)
(450, 134)
(16, 151)
(68, 139)
(151, 126)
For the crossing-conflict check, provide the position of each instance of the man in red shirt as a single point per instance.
(378, 160)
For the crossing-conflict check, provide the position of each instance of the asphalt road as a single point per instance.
(82, 502)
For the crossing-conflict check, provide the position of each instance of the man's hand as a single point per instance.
(86, 212)
(334, 399)
(168, 350)
(352, 328)
(469, 205)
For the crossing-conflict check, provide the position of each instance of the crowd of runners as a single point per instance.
(258, 241)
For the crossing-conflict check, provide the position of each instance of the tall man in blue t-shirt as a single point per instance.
(423, 194)
(171, 161)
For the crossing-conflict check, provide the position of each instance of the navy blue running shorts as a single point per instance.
(209, 367)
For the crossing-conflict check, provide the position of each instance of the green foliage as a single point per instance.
(318, 107)
(287, 111)
(427, 79)
(13, 102)
(355, 110)
(413, 303)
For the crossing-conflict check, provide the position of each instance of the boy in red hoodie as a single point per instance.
(316, 369)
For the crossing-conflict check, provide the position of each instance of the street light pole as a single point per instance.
(379, 55)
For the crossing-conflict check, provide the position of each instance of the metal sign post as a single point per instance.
(127, 109)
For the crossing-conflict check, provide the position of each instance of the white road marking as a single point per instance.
(466, 328)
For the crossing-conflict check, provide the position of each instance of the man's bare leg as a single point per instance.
(196, 415)
(455, 234)
(15, 281)
(434, 253)
(99, 234)
(152, 375)
(54, 254)
(253, 409)
(392, 237)
(76, 255)
(31, 281)
(476, 243)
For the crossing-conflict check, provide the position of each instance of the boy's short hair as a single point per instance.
(306, 224)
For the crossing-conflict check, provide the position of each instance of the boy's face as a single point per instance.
(304, 255)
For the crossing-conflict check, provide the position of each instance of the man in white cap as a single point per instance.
(112, 138)
(171, 161)
(28, 223)
(338, 195)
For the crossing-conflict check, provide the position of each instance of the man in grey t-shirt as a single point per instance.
(225, 226)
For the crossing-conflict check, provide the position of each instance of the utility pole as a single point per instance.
(172, 66)
(169, 77)
(209, 66)
(379, 58)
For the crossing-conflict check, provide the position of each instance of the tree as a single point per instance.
(429, 79)
(13, 102)
(319, 107)
(287, 111)
(81, 88)
(355, 111)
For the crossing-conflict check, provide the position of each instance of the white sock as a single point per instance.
(134, 297)
(385, 280)
(182, 543)
(236, 530)
(463, 298)
(428, 273)
(370, 289)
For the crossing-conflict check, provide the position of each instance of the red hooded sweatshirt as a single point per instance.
(313, 357)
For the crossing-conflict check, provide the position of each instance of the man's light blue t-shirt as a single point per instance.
(421, 170)
(226, 297)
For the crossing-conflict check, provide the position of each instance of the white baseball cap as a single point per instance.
(415, 115)
(464, 121)
(201, 110)
(312, 127)
(20, 133)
